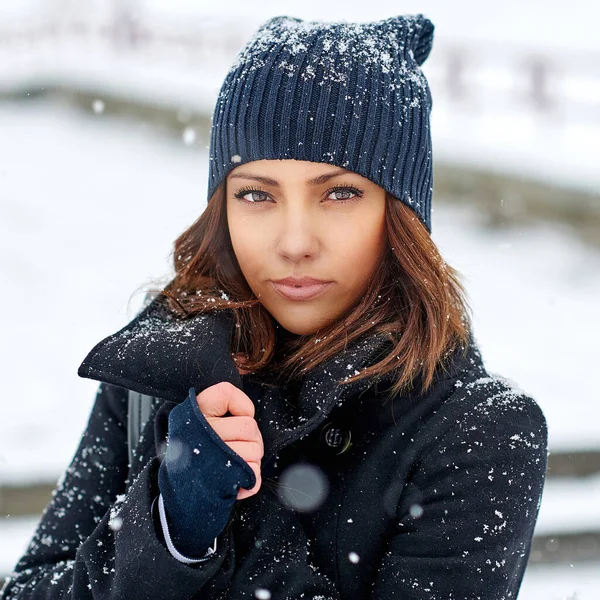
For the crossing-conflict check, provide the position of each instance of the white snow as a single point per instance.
(16, 533)
(539, 23)
(570, 506)
(534, 294)
(579, 581)
(90, 205)
(88, 214)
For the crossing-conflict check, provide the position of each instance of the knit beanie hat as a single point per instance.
(348, 94)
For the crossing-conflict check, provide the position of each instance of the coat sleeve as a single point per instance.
(94, 539)
(465, 522)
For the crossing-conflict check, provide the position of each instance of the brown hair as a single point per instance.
(414, 298)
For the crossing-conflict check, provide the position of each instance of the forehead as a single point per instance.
(273, 172)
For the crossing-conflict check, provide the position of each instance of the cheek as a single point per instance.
(246, 241)
(361, 250)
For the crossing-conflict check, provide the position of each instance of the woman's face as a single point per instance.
(290, 218)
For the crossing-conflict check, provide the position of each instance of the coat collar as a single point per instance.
(161, 355)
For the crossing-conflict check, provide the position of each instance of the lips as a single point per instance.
(300, 292)
(296, 281)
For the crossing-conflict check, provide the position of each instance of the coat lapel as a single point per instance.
(283, 422)
(161, 355)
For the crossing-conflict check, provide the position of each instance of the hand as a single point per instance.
(240, 431)
(208, 461)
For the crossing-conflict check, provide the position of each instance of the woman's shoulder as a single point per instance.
(464, 393)
(475, 389)
(491, 410)
(470, 401)
(492, 395)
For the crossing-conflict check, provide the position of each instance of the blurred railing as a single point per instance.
(519, 124)
(554, 83)
(561, 84)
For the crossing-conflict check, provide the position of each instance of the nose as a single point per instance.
(297, 238)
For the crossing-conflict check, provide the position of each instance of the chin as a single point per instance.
(295, 327)
(300, 326)
(298, 330)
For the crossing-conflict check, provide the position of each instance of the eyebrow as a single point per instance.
(273, 182)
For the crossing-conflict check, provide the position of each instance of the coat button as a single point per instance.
(337, 439)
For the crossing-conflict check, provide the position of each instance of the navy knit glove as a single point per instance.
(199, 479)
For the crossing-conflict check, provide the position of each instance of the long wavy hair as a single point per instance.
(414, 298)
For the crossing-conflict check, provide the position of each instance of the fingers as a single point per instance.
(249, 451)
(216, 400)
(240, 431)
(232, 429)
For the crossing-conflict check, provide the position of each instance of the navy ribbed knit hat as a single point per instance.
(348, 94)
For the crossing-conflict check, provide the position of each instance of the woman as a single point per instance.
(338, 438)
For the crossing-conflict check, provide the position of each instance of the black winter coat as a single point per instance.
(435, 499)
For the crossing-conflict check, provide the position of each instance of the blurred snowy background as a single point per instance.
(105, 109)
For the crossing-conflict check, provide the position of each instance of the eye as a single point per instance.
(356, 194)
(240, 195)
(350, 194)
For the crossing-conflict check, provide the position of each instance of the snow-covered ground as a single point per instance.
(571, 582)
(89, 207)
